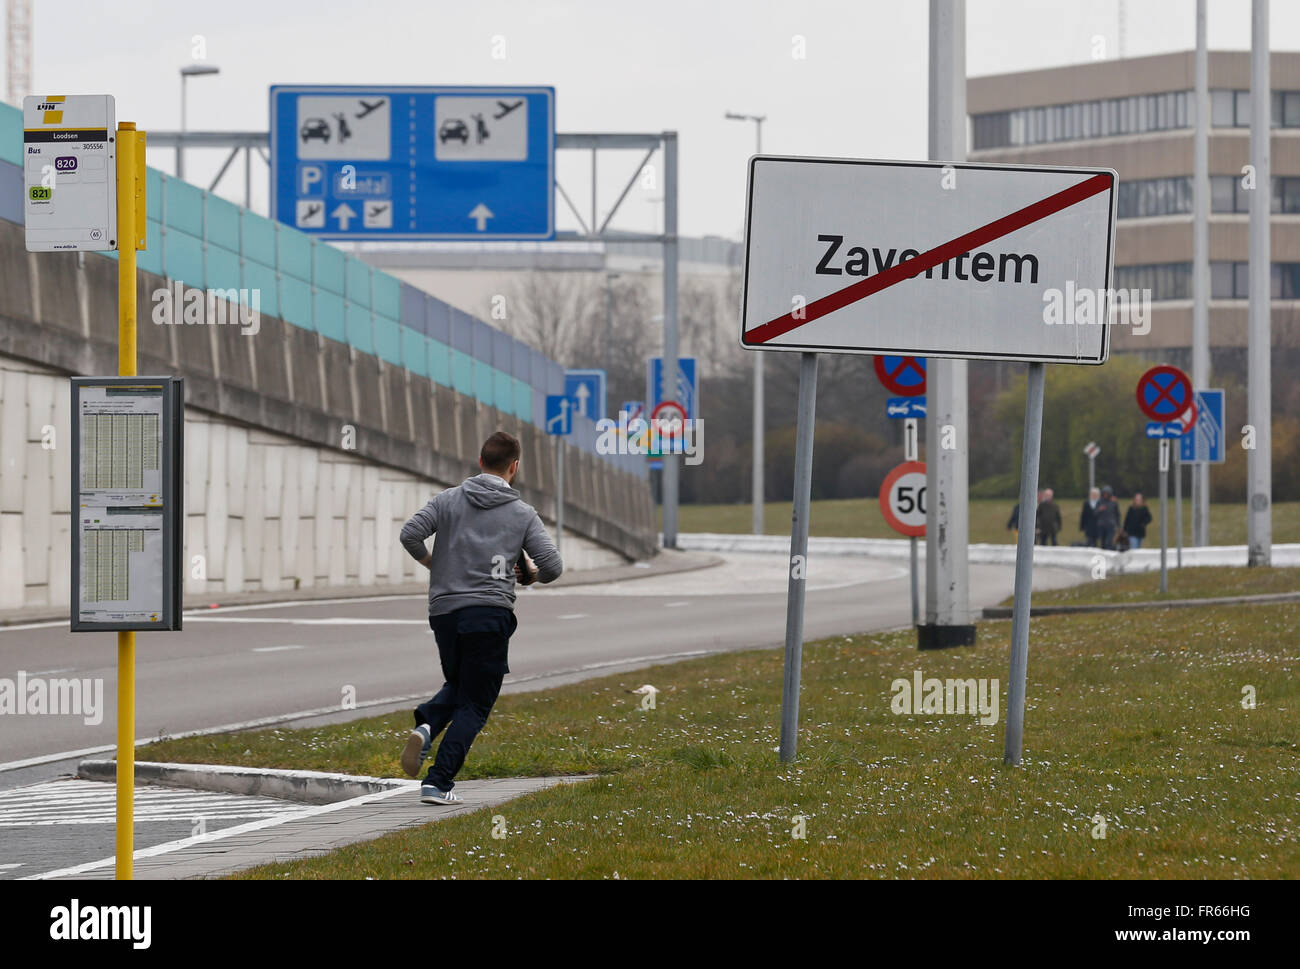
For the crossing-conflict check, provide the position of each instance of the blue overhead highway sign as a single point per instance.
(351, 162)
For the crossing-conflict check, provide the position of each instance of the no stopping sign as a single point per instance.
(902, 499)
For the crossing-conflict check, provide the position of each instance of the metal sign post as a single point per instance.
(130, 177)
(1178, 508)
(1029, 458)
(903, 506)
(1164, 512)
(560, 409)
(559, 493)
(910, 449)
(803, 450)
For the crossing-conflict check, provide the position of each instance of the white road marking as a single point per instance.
(93, 802)
(573, 615)
(673, 605)
(170, 846)
(224, 728)
(274, 649)
(10, 867)
(208, 611)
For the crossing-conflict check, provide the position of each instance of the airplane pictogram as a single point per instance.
(506, 109)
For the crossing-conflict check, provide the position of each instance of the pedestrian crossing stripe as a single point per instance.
(93, 802)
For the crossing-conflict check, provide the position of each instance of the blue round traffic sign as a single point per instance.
(1164, 393)
(905, 376)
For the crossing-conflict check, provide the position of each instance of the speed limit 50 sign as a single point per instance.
(902, 499)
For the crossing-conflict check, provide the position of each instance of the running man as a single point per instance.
(487, 537)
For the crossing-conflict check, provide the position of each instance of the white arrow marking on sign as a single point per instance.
(345, 214)
(582, 393)
(480, 214)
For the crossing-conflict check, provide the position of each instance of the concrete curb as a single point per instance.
(1004, 612)
(307, 786)
(1067, 557)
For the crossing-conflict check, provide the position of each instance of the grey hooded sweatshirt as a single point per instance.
(479, 527)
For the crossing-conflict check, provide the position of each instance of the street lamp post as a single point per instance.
(609, 315)
(757, 523)
(189, 70)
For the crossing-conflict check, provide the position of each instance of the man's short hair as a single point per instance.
(500, 451)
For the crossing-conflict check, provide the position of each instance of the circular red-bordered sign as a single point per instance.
(904, 376)
(671, 417)
(1191, 422)
(1164, 393)
(902, 499)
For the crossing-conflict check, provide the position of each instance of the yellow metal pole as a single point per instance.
(130, 224)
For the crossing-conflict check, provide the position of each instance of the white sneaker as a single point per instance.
(416, 749)
(431, 795)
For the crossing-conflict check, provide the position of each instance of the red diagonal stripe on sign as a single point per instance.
(927, 260)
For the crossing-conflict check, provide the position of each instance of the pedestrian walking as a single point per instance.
(1048, 518)
(1088, 518)
(1107, 513)
(1136, 520)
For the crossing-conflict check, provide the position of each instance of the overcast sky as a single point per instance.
(617, 65)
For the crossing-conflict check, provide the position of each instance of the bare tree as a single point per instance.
(547, 310)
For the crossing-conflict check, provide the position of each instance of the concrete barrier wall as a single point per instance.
(264, 512)
(58, 316)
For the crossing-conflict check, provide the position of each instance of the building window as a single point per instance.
(1148, 197)
(1221, 113)
(1231, 109)
(1165, 281)
(1231, 280)
(1228, 195)
(1123, 116)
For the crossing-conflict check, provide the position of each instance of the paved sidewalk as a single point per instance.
(316, 830)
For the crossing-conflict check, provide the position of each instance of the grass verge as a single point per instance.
(861, 518)
(1134, 721)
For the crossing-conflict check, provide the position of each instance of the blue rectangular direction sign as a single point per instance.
(559, 413)
(588, 388)
(686, 393)
(376, 162)
(1159, 429)
(901, 407)
(1206, 440)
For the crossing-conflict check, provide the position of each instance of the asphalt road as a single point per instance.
(241, 664)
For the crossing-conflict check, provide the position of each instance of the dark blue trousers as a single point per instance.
(473, 645)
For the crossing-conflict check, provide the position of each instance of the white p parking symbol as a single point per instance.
(310, 176)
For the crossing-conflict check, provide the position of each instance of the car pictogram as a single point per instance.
(453, 128)
(315, 128)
